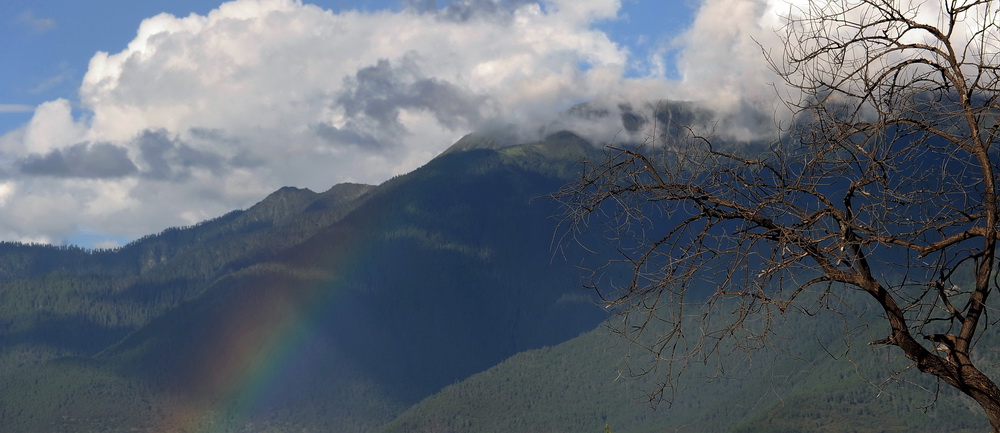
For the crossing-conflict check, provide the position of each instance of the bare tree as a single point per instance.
(885, 184)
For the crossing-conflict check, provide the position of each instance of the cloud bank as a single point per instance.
(199, 115)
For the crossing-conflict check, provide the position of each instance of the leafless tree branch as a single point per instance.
(886, 184)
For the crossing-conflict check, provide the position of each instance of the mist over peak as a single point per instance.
(603, 123)
(210, 112)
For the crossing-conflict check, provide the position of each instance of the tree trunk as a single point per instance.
(959, 372)
(987, 394)
(955, 369)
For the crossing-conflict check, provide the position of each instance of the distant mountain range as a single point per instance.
(439, 301)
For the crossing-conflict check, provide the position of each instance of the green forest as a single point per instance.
(442, 300)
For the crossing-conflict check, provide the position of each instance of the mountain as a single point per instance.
(439, 301)
(810, 381)
(312, 311)
(59, 301)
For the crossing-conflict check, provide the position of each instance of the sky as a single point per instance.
(119, 118)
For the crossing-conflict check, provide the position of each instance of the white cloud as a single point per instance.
(722, 61)
(7, 189)
(203, 114)
(51, 127)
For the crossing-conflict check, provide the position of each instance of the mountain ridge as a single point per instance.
(432, 302)
(352, 281)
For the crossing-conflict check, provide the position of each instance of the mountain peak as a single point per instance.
(566, 139)
(339, 195)
(283, 203)
(560, 146)
(474, 141)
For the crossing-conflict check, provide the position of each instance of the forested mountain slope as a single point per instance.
(811, 380)
(308, 310)
(58, 301)
(438, 301)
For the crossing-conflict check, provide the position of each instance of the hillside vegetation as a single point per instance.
(307, 310)
(439, 301)
(810, 382)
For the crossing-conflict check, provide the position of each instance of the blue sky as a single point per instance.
(117, 120)
(48, 44)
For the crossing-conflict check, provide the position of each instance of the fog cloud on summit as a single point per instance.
(203, 114)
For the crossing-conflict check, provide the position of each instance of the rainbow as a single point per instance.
(257, 340)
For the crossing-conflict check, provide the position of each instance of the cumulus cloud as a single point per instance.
(97, 160)
(203, 114)
(722, 64)
(722, 56)
(464, 10)
(51, 127)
